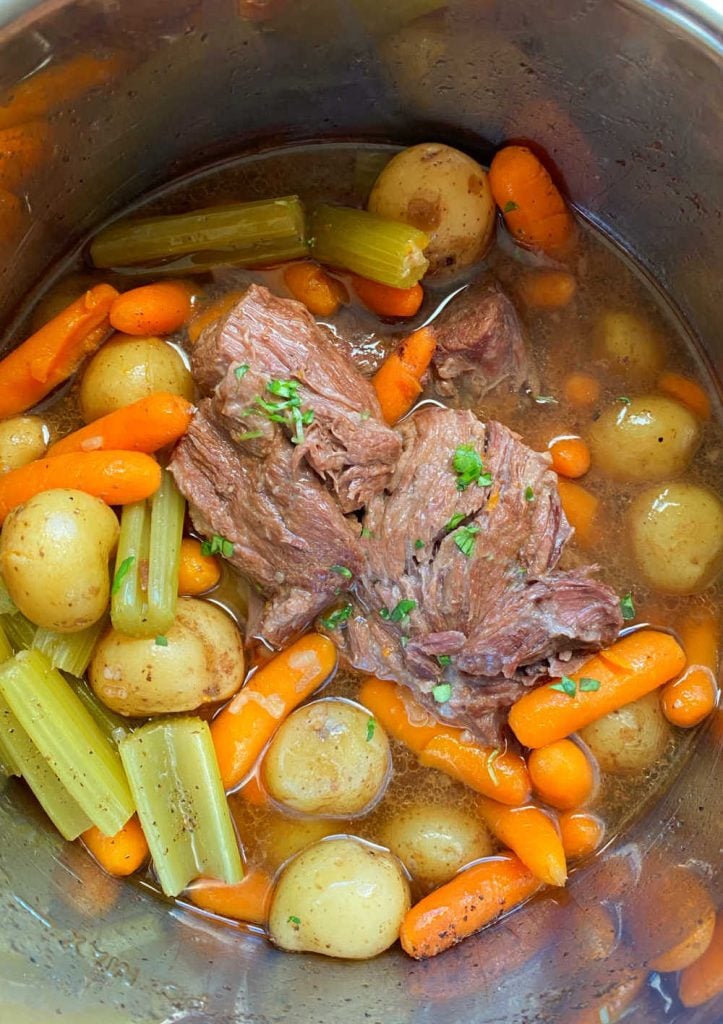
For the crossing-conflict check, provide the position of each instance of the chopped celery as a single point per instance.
(261, 231)
(174, 777)
(70, 652)
(19, 630)
(113, 726)
(127, 595)
(7, 605)
(6, 650)
(68, 738)
(382, 250)
(26, 760)
(168, 508)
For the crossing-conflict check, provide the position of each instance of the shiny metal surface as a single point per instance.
(625, 96)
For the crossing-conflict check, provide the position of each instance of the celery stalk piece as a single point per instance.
(6, 650)
(112, 726)
(68, 738)
(382, 250)
(168, 508)
(70, 652)
(64, 812)
(260, 231)
(173, 773)
(7, 605)
(19, 630)
(127, 603)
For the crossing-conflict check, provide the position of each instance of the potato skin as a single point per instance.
(22, 439)
(341, 897)
(54, 553)
(677, 532)
(629, 343)
(203, 662)
(320, 762)
(630, 739)
(434, 842)
(651, 438)
(446, 194)
(127, 369)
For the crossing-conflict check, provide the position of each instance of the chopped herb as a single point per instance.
(442, 692)
(371, 726)
(566, 685)
(404, 640)
(444, 659)
(161, 641)
(588, 685)
(529, 494)
(287, 407)
(419, 543)
(121, 573)
(509, 206)
(241, 371)
(384, 613)
(402, 610)
(342, 570)
(365, 532)
(627, 607)
(337, 617)
(364, 414)
(491, 758)
(249, 435)
(468, 466)
(624, 399)
(464, 538)
(217, 545)
(546, 400)
(604, 1015)
(454, 522)
(293, 919)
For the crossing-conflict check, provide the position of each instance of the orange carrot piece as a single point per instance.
(502, 776)
(702, 980)
(252, 792)
(561, 774)
(160, 308)
(689, 949)
(581, 389)
(581, 833)
(416, 351)
(686, 701)
(535, 213)
(399, 714)
(580, 508)
(145, 426)
(212, 311)
(700, 631)
(386, 301)
(632, 667)
(247, 900)
(547, 289)
(570, 456)
(53, 353)
(611, 1006)
(22, 149)
(471, 900)
(118, 478)
(321, 293)
(687, 391)
(197, 572)
(52, 86)
(397, 381)
(245, 725)
(121, 854)
(12, 215)
(532, 835)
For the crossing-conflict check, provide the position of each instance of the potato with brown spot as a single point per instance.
(22, 439)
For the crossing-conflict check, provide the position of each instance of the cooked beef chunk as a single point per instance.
(481, 344)
(265, 339)
(469, 575)
(286, 528)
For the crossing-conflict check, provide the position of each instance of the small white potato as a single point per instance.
(629, 343)
(630, 739)
(649, 438)
(286, 837)
(446, 194)
(22, 439)
(434, 842)
(341, 897)
(54, 553)
(677, 533)
(201, 662)
(329, 757)
(127, 369)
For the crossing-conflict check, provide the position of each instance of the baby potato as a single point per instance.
(201, 662)
(677, 533)
(629, 343)
(630, 739)
(54, 553)
(288, 836)
(649, 438)
(340, 897)
(329, 757)
(127, 369)
(446, 194)
(434, 841)
(22, 439)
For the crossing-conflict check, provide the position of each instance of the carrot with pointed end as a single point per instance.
(535, 213)
(160, 308)
(386, 301)
(687, 391)
(247, 900)
(532, 835)
(686, 701)
(321, 293)
(399, 714)
(121, 854)
(54, 85)
(397, 381)
(580, 508)
(145, 426)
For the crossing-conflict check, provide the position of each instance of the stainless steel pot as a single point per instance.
(626, 97)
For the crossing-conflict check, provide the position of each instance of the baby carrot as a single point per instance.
(386, 301)
(561, 774)
(197, 572)
(632, 667)
(145, 426)
(50, 87)
(160, 308)
(616, 1000)
(21, 150)
(243, 728)
(532, 835)
(535, 213)
(686, 391)
(580, 508)
(581, 833)
(399, 714)
(247, 900)
(121, 854)
(700, 631)
(570, 456)
(118, 478)
(702, 980)
(212, 311)
(547, 289)
(53, 353)
(690, 948)
(686, 701)
(397, 381)
(321, 293)
(471, 900)
(252, 792)
(581, 389)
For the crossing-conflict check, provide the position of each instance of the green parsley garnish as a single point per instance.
(293, 919)
(454, 522)
(364, 414)
(286, 408)
(371, 726)
(467, 463)
(509, 206)
(403, 640)
(342, 570)
(419, 543)
(546, 400)
(400, 611)
(444, 659)
(121, 573)
(624, 399)
(366, 533)
(249, 435)
(337, 617)
(627, 607)
(217, 545)
(566, 685)
(442, 692)
(241, 371)
(465, 537)
(588, 685)
(529, 494)
(161, 641)
(490, 762)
